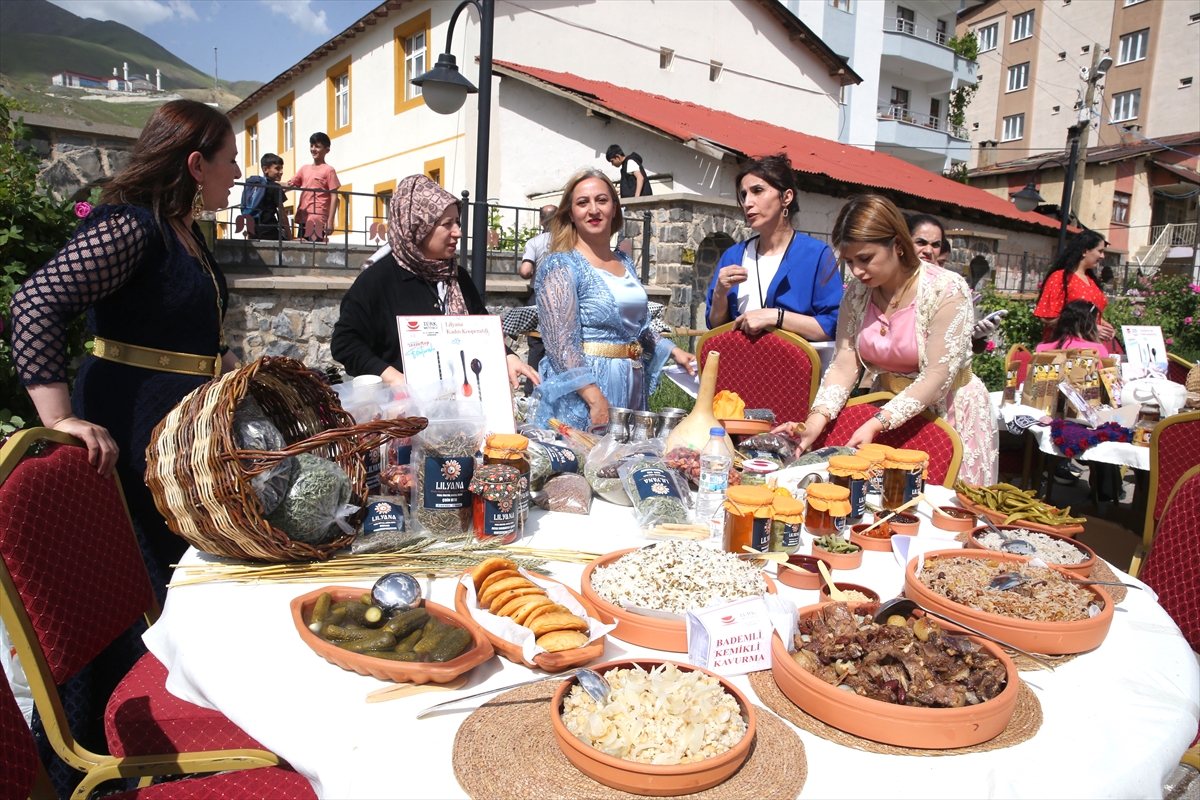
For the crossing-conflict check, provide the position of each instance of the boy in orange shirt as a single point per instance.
(316, 206)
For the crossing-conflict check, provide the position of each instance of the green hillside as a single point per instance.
(41, 40)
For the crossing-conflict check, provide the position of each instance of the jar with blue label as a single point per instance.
(853, 473)
(787, 522)
(903, 477)
(497, 509)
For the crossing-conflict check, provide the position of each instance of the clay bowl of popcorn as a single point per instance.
(641, 579)
(728, 732)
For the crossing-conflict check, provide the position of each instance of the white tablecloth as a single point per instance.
(1115, 720)
(1119, 453)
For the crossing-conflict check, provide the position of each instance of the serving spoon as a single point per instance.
(1018, 547)
(1011, 580)
(592, 682)
(836, 594)
(778, 558)
(902, 606)
(896, 511)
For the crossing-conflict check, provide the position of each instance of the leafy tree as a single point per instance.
(33, 226)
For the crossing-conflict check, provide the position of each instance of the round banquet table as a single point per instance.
(1116, 720)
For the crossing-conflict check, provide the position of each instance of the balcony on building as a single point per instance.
(920, 52)
(926, 141)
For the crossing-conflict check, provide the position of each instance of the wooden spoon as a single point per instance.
(409, 689)
(907, 505)
(836, 594)
(778, 558)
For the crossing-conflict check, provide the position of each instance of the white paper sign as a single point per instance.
(1144, 344)
(466, 352)
(731, 639)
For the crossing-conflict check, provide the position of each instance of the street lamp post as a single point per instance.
(1029, 199)
(445, 90)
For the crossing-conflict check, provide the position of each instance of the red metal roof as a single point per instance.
(809, 154)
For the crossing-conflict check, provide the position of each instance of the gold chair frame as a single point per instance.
(97, 767)
(1152, 490)
(787, 336)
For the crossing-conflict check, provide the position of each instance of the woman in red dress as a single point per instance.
(1074, 277)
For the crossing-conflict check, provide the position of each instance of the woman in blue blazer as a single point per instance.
(780, 278)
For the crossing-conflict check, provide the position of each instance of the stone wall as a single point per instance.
(78, 155)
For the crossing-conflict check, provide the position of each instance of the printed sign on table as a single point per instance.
(1144, 344)
(466, 352)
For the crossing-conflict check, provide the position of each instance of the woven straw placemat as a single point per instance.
(1025, 722)
(506, 748)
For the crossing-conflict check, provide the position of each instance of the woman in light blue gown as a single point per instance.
(592, 309)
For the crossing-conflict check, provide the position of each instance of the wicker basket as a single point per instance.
(201, 480)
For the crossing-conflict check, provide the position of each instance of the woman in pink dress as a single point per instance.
(907, 322)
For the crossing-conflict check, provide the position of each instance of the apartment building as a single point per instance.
(1031, 89)
(901, 48)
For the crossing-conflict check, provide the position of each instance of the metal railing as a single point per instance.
(902, 114)
(1183, 234)
(900, 25)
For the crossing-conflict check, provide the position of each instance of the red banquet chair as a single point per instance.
(776, 370)
(923, 432)
(22, 774)
(51, 501)
(1172, 567)
(1178, 369)
(1174, 449)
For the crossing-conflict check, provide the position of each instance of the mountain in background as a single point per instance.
(41, 39)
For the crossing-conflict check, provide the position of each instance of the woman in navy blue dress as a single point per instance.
(153, 294)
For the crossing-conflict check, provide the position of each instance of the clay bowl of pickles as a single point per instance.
(430, 664)
(850, 559)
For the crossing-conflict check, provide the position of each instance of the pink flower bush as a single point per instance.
(1187, 320)
(83, 209)
(1170, 341)
(991, 345)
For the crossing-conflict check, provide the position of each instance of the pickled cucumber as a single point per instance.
(433, 638)
(373, 617)
(407, 643)
(392, 656)
(406, 622)
(321, 609)
(354, 609)
(338, 633)
(452, 645)
(366, 599)
(380, 640)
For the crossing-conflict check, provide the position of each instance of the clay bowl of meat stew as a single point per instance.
(953, 713)
(1053, 623)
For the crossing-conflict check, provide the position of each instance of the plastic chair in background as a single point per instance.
(776, 370)
(63, 603)
(926, 432)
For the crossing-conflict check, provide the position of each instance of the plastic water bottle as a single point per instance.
(715, 460)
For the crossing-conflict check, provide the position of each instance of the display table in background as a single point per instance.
(1115, 720)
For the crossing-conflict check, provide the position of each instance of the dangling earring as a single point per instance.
(786, 212)
(198, 202)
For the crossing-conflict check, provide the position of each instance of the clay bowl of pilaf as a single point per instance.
(892, 721)
(1048, 544)
(1047, 615)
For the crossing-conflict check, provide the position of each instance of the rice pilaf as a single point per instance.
(1044, 598)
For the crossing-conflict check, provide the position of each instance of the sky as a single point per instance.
(256, 39)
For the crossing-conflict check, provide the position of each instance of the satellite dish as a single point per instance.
(1104, 66)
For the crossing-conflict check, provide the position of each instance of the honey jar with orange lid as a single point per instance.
(903, 476)
(828, 505)
(748, 515)
(509, 449)
(787, 520)
(853, 472)
(875, 453)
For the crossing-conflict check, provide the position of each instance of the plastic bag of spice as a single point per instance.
(659, 493)
(604, 462)
(254, 431)
(396, 473)
(547, 459)
(317, 503)
(443, 461)
(773, 446)
(569, 493)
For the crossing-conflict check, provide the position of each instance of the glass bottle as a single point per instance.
(496, 508)
(747, 518)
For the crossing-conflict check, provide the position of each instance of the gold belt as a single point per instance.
(161, 360)
(891, 382)
(633, 350)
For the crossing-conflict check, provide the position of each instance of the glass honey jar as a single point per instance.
(496, 509)
(748, 517)
(509, 449)
(787, 520)
(874, 453)
(903, 476)
(827, 508)
(852, 472)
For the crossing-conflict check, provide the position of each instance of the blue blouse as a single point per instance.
(807, 282)
(579, 303)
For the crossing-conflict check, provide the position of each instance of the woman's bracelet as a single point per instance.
(821, 412)
(779, 324)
